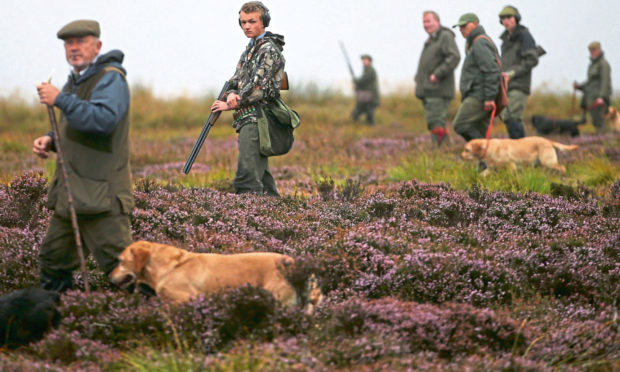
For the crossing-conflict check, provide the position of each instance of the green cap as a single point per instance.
(366, 56)
(594, 45)
(466, 18)
(79, 28)
(508, 11)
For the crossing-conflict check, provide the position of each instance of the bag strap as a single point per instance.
(112, 68)
(499, 61)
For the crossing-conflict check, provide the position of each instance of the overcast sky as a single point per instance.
(191, 46)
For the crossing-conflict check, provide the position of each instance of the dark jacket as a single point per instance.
(519, 57)
(480, 72)
(367, 83)
(598, 83)
(440, 56)
(94, 134)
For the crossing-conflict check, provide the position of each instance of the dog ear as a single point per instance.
(475, 147)
(141, 254)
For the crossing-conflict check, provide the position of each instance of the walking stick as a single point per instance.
(572, 105)
(65, 177)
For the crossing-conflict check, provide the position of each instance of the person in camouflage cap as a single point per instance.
(366, 92)
(597, 89)
(519, 57)
(434, 80)
(256, 81)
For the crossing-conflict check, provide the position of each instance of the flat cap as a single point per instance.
(79, 28)
(466, 18)
(594, 45)
(366, 56)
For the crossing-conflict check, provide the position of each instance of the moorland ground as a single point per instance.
(424, 264)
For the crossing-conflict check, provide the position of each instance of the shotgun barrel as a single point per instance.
(203, 134)
(346, 57)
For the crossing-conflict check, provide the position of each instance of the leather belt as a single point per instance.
(243, 112)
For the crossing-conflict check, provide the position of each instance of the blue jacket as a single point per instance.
(108, 102)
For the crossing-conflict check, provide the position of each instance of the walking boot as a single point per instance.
(515, 129)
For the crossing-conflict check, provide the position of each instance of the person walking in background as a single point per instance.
(479, 83)
(597, 88)
(366, 92)
(256, 81)
(519, 57)
(94, 134)
(434, 80)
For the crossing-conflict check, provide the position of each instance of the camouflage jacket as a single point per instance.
(368, 83)
(258, 75)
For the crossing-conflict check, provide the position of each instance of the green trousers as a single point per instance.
(512, 115)
(435, 111)
(597, 115)
(471, 121)
(253, 174)
(104, 235)
(364, 108)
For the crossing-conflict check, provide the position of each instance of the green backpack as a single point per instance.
(276, 123)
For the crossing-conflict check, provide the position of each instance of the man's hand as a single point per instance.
(42, 146)
(218, 106)
(489, 105)
(506, 76)
(233, 101)
(575, 85)
(47, 93)
(599, 102)
(433, 79)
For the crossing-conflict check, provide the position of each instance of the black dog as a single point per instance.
(546, 125)
(26, 314)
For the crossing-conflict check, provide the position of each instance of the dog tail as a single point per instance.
(312, 295)
(563, 147)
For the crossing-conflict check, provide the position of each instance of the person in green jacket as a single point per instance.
(366, 92)
(479, 82)
(597, 89)
(94, 136)
(434, 80)
(519, 57)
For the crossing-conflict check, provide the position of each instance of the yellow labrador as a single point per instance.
(613, 119)
(527, 150)
(178, 275)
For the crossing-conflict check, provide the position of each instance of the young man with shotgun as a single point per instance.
(256, 82)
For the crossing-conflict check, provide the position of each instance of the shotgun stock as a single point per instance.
(203, 134)
(284, 81)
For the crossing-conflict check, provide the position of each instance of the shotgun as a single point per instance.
(203, 134)
(346, 57)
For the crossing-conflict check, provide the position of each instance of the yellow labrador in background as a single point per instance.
(613, 119)
(178, 275)
(527, 150)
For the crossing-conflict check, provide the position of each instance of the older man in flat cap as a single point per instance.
(479, 83)
(597, 89)
(94, 135)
